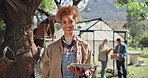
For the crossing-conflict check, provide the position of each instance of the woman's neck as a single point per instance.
(68, 35)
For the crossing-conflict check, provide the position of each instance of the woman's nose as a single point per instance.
(68, 25)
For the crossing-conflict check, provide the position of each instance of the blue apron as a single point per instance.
(67, 59)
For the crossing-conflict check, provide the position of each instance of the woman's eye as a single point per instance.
(64, 22)
(71, 21)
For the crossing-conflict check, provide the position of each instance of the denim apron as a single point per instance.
(67, 59)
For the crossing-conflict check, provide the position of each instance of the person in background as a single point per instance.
(103, 56)
(68, 49)
(121, 51)
(142, 47)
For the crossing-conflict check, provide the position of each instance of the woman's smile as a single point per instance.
(68, 28)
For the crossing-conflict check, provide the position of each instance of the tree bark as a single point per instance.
(17, 16)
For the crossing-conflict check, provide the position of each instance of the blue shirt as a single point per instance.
(123, 50)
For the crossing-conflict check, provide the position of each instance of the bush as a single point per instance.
(144, 40)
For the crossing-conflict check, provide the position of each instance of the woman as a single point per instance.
(68, 49)
(103, 56)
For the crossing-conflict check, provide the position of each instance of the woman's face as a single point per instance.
(68, 23)
(105, 42)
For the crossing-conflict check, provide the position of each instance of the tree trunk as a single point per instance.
(17, 15)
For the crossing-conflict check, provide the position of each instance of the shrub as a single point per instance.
(144, 40)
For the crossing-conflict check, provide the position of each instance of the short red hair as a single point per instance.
(67, 10)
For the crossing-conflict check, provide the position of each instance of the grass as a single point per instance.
(145, 50)
(134, 72)
(139, 72)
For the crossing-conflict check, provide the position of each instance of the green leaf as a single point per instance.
(142, 5)
(134, 7)
(87, 9)
(96, 0)
(47, 5)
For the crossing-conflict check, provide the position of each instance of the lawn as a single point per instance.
(138, 72)
(134, 72)
(145, 50)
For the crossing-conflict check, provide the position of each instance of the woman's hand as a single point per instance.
(78, 71)
(70, 68)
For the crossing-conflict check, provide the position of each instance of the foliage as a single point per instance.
(134, 19)
(87, 9)
(129, 39)
(136, 29)
(96, 0)
(144, 51)
(47, 5)
(134, 8)
(52, 5)
(132, 42)
(144, 40)
(2, 25)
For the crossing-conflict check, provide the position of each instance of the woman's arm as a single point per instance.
(102, 50)
(89, 61)
(46, 64)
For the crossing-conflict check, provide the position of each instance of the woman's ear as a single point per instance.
(76, 19)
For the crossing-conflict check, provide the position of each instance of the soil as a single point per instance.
(144, 56)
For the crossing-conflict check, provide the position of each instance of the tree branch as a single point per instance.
(35, 5)
(43, 12)
(57, 3)
(76, 2)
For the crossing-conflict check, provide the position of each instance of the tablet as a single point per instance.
(114, 56)
(84, 66)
